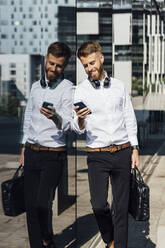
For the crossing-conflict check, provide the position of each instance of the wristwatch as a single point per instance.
(135, 147)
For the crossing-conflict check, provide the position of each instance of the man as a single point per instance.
(111, 130)
(47, 117)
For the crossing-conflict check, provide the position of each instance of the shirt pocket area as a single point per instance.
(115, 103)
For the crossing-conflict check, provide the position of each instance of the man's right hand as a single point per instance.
(21, 159)
(82, 114)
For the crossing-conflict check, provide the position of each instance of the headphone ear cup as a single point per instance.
(42, 82)
(97, 83)
(106, 82)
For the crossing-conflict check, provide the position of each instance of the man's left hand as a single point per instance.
(48, 113)
(135, 158)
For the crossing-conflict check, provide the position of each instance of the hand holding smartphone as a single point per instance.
(81, 105)
(46, 104)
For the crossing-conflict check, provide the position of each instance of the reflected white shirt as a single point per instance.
(38, 128)
(112, 120)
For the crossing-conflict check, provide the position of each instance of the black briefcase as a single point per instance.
(13, 194)
(139, 197)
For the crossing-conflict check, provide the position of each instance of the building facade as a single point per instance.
(17, 73)
(28, 27)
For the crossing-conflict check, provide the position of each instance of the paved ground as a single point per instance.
(13, 233)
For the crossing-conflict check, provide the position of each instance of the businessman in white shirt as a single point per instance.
(47, 117)
(111, 143)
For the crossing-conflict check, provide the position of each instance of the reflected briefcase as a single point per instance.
(139, 197)
(13, 194)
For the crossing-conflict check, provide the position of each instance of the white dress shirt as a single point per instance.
(112, 120)
(38, 128)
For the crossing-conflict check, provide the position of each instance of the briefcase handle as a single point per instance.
(20, 171)
(137, 175)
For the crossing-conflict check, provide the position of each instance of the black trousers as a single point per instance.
(117, 166)
(42, 172)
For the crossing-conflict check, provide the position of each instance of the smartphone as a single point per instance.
(46, 104)
(81, 105)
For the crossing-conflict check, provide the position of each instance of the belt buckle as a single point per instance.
(36, 147)
(110, 148)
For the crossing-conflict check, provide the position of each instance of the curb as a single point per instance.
(152, 163)
(96, 241)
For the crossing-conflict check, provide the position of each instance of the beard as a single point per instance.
(98, 72)
(51, 75)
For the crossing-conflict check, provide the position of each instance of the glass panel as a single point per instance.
(131, 34)
(27, 29)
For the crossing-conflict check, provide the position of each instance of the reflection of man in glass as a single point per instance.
(47, 116)
(111, 128)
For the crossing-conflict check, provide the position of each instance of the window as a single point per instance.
(35, 50)
(12, 72)
(12, 65)
(3, 36)
(12, 79)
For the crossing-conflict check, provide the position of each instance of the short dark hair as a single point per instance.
(87, 48)
(60, 49)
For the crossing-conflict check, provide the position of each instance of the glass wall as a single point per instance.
(131, 34)
(26, 30)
